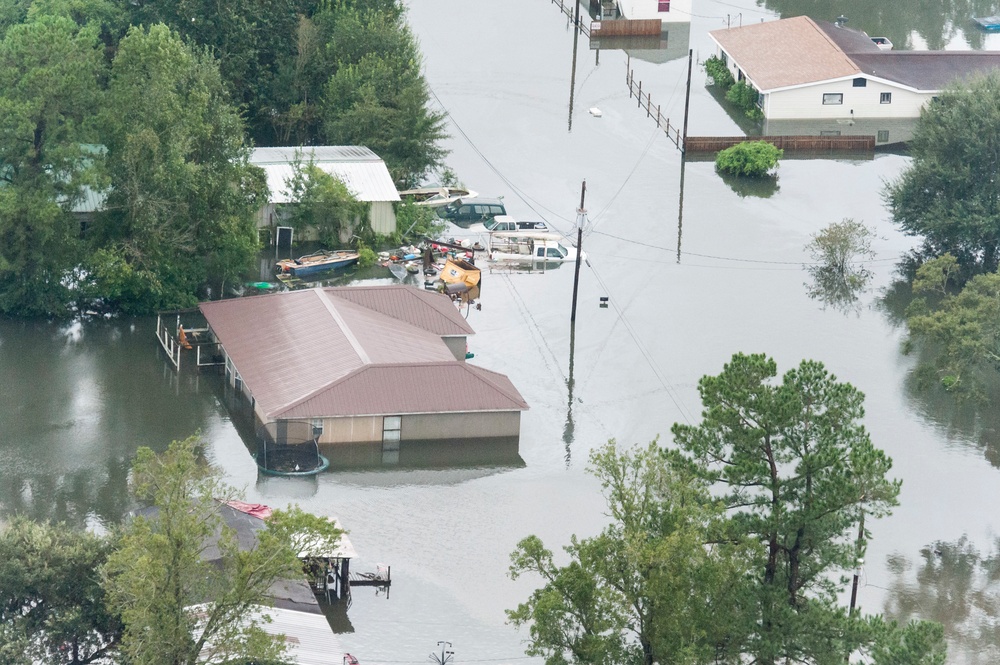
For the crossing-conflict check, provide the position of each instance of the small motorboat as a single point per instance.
(988, 23)
(317, 262)
(434, 197)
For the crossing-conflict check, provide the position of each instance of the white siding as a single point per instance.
(807, 102)
(680, 10)
(382, 217)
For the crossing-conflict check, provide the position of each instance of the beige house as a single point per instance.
(362, 364)
(364, 173)
(806, 69)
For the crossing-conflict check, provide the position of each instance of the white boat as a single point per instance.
(434, 197)
(521, 246)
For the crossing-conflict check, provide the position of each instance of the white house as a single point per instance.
(668, 11)
(364, 173)
(806, 69)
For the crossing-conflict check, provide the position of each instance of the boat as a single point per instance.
(433, 197)
(398, 271)
(317, 262)
(526, 247)
(460, 271)
(988, 23)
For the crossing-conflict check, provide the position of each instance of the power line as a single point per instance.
(731, 258)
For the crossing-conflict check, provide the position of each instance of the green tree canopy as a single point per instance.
(52, 606)
(48, 87)
(322, 202)
(181, 580)
(950, 194)
(647, 589)
(796, 468)
(182, 197)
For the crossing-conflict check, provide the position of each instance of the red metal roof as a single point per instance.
(399, 389)
(292, 347)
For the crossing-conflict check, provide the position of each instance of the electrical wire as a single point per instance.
(732, 258)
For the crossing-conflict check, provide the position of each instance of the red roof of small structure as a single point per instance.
(323, 349)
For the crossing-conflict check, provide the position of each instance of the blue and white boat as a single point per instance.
(316, 262)
(989, 23)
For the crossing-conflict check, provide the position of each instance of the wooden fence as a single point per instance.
(646, 102)
(812, 143)
(627, 28)
(568, 9)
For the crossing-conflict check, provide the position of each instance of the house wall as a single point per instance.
(807, 102)
(382, 217)
(422, 427)
(457, 345)
(680, 10)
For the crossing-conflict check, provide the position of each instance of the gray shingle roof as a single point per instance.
(293, 346)
(928, 71)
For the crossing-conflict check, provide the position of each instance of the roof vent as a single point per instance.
(840, 21)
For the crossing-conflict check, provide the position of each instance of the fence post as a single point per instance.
(649, 104)
(640, 93)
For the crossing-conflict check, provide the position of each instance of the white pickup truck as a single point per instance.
(506, 223)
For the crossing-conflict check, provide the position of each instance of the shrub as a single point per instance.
(751, 158)
(366, 256)
(719, 73)
(744, 97)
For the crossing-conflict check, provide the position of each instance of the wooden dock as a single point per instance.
(863, 144)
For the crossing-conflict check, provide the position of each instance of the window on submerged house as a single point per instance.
(833, 98)
(391, 426)
(886, 98)
(860, 82)
(883, 136)
(317, 424)
(663, 6)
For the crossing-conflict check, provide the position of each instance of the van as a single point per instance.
(469, 211)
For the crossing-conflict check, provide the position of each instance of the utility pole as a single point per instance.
(581, 216)
(687, 103)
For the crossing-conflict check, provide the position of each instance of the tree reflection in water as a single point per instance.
(839, 290)
(956, 585)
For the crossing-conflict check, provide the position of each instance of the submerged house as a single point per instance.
(362, 364)
(361, 170)
(806, 69)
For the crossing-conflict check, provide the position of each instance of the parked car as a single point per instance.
(469, 211)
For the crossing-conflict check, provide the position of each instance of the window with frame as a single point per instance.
(860, 82)
(833, 98)
(317, 424)
(829, 132)
(885, 98)
(882, 136)
(663, 5)
(391, 426)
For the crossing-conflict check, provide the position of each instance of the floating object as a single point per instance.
(398, 271)
(604, 301)
(988, 23)
(596, 112)
(459, 271)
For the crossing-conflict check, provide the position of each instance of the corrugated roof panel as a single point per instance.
(425, 309)
(284, 345)
(364, 173)
(447, 387)
(389, 340)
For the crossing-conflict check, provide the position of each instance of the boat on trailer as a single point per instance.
(434, 197)
(317, 262)
(524, 247)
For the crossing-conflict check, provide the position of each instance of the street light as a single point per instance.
(446, 655)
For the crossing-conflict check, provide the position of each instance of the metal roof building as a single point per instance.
(362, 364)
(361, 170)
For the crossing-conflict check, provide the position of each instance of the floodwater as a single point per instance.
(688, 286)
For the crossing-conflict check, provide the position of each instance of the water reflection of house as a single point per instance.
(806, 69)
(669, 42)
(362, 364)
(364, 173)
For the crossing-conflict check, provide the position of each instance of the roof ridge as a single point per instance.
(344, 328)
(834, 44)
(475, 370)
